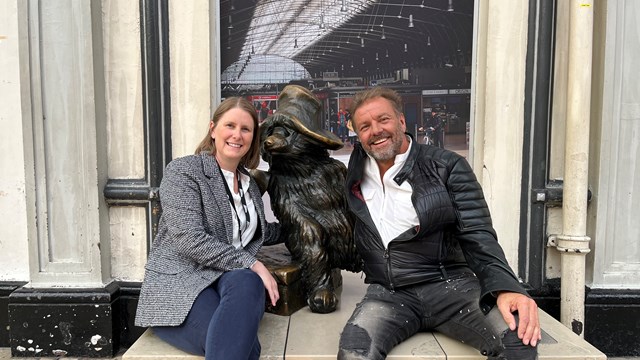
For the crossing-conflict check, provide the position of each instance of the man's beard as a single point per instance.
(390, 151)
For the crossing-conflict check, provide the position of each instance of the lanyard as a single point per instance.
(233, 205)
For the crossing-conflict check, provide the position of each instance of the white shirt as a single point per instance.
(251, 227)
(389, 204)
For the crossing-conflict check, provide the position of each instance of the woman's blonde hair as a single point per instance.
(251, 159)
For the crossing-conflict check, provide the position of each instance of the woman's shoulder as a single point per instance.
(192, 166)
(184, 160)
(184, 172)
(187, 162)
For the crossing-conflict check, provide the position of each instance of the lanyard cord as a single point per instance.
(233, 205)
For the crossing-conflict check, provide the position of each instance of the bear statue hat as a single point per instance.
(303, 110)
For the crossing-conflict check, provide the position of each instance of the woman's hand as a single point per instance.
(268, 281)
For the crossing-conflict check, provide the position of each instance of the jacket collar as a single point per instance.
(404, 173)
(210, 165)
(358, 158)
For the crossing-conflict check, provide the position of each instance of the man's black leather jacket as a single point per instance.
(455, 232)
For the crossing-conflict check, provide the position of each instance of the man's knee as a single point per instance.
(355, 343)
(514, 348)
(510, 347)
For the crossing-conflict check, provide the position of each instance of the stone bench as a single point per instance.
(305, 335)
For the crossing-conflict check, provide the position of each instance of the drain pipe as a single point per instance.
(573, 243)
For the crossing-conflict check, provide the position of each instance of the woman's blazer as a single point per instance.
(193, 244)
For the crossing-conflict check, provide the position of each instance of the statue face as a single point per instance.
(232, 134)
(380, 129)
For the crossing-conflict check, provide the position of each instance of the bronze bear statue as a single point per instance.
(307, 191)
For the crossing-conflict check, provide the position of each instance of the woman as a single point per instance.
(204, 289)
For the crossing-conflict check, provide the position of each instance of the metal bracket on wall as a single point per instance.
(569, 243)
(130, 192)
(551, 195)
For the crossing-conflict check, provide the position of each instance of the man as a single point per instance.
(342, 125)
(430, 253)
(436, 125)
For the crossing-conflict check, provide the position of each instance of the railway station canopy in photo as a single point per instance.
(278, 41)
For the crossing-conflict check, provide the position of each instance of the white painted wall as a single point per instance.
(14, 255)
(123, 77)
(191, 98)
(617, 233)
(499, 112)
(127, 225)
(614, 154)
(66, 159)
(53, 163)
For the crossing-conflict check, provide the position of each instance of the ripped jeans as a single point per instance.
(384, 319)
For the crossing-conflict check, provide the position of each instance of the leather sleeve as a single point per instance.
(476, 235)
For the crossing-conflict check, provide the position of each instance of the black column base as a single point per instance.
(6, 288)
(64, 322)
(611, 319)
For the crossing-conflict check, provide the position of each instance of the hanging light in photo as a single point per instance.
(410, 20)
(450, 7)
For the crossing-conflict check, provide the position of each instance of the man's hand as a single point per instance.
(268, 281)
(529, 326)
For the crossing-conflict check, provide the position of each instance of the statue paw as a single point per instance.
(323, 301)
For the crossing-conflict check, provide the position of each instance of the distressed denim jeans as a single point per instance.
(385, 318)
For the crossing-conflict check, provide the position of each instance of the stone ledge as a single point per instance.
(306, 336)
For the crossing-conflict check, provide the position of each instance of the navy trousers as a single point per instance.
(223, 321)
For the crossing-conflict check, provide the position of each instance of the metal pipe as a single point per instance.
(573, 242)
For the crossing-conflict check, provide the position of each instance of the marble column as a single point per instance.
(67, 307)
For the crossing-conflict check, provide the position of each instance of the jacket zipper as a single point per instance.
(443, 271)
(387, 256)
(370, 226)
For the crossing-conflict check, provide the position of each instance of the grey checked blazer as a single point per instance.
(193, 245)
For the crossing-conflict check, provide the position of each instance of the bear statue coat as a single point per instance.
(306, 187)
